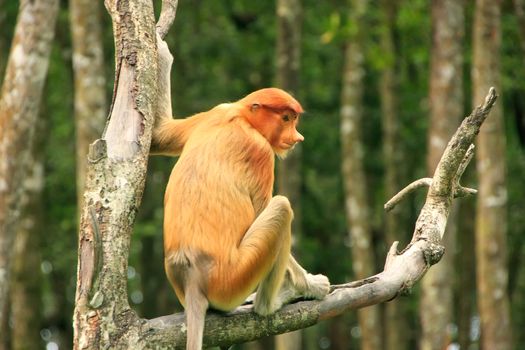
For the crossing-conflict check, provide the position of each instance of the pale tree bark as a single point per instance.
(491, 211)
(90, 81)
(356, 199)
(446, 106)
(19, 103)
(288, 60)
(395, 317)
(115, 181)
(26, 289)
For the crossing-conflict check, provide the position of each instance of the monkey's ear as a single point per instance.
(255, 106)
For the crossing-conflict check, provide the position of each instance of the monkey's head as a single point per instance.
(275, 114)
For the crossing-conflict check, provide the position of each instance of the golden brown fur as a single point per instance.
(224, 234)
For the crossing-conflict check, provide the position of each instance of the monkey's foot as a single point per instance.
(308, 287)
(317, 286)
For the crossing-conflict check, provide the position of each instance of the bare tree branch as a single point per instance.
(427, 181)
(401, 271)
(167, 17)
(459, 191)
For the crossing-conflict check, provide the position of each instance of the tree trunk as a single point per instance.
(115, 181)
(356, 200)
(90, 81)
(288, 59)
(395, 324)
(26, 291)
(467, 273)
(491, 224)
(446, 106)
(519, 8)
(19, 104)
(3, 40)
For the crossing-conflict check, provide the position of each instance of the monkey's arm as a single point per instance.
(170, 135)
(165, 125)
(165, 61)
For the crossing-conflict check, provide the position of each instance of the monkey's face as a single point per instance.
(288, 136)
(279, 127)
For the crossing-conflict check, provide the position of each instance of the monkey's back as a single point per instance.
(221, 182)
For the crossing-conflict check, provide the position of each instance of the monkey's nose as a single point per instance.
(298, 137)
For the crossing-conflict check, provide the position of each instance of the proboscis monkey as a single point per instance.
(224, 233)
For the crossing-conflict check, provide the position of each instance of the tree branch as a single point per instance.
(448, 169)
(427, 181)
(401, 271)
(167, 17)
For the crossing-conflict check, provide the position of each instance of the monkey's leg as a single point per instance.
(262, 255)
(273, 226)
(297, 284)
(266, 301)
(287, 280)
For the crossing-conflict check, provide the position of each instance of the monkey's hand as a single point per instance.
(164, 56)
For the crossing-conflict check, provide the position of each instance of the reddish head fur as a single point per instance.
(273, 98)
(274, 114)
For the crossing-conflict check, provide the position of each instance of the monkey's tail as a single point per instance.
(196, 305)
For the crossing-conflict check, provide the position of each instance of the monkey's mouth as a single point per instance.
(287, 146)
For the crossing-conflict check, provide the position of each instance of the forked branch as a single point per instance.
(401, 271)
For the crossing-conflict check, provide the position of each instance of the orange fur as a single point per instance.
(223, 232)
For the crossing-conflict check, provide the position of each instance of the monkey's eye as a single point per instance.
(286, 117)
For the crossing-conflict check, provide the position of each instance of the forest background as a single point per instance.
(378, 60)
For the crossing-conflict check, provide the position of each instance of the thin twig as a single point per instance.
(464, 191)
(427, 181)
(460, 191)
(464, 163)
